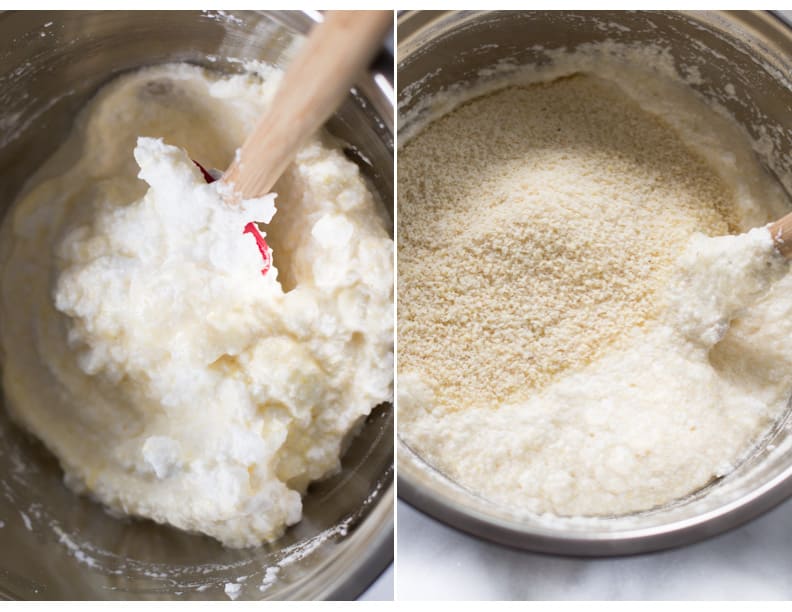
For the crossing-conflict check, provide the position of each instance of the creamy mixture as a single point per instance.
(146, 343)
(571, 341)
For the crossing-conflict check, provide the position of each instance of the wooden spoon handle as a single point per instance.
(781, 231)
(315, 84)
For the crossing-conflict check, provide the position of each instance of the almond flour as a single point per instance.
(536, 226)
(569, 343)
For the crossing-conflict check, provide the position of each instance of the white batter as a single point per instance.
(618, 360)
(143, 344)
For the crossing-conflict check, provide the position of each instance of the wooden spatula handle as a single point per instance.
(315, 84)
(781, 231)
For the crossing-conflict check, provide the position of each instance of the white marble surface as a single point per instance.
(438, 562)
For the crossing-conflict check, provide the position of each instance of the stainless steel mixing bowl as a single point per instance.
(57, 545)
(744, 60)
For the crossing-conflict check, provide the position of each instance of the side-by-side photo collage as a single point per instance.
(395, 305)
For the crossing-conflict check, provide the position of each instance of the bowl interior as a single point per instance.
(57, 545)
(742, 61)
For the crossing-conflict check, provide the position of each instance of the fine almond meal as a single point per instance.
(571, 341)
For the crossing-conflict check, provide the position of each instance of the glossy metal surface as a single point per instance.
(751, 51)
(57, 545)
